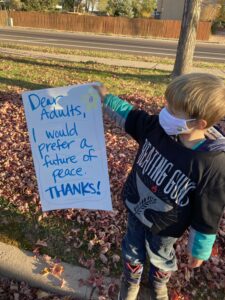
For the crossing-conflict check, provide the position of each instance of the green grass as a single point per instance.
(24, 230)
(27, 73)
(107, 54)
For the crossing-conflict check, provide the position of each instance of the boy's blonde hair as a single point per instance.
(199, 95)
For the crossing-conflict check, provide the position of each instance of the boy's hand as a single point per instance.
(194, 262)
(102, 90)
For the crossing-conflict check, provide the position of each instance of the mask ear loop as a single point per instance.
(178, 135)
(189, 120)
(186, 120)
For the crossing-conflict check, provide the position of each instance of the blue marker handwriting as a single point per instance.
(34, 136)
(61, 173)
(66, 132)
(58, 161)
(73, 189)
(69, 111)
(37, 102)
(84, 144)
(89, 156)
(60, 139)
(51, 109)
(58, 146)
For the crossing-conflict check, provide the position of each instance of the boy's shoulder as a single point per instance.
(215, 133)
(215, 141)
(214, 145)
(142, 119)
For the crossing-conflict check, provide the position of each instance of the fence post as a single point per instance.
(10, 22)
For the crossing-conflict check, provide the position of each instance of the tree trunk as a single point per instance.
(187, 40)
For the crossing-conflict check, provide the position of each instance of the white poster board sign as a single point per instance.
(67, 139)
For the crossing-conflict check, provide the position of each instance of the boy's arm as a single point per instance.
(117, 109)
(208, 206)
(127, 117)
(200, 247)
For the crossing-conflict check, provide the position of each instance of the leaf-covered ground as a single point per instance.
(90, 238)
(13, 290)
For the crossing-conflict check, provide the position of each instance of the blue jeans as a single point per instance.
(139, 241)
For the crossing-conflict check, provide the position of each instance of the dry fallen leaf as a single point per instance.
(57, 270)
(41, 243)
(45, 271)
(46, 258)
(103, 258)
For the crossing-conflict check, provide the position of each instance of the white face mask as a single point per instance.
(173, 125)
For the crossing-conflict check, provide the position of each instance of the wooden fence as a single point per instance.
(3, 18)
(113, 25)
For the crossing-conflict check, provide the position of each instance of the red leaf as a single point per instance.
(174, 295)
(57, 270)
(215, 250)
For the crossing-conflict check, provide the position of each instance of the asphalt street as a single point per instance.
(211, 52)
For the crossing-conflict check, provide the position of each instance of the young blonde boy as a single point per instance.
(177, 180)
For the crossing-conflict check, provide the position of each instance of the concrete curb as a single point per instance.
(23, 266)
(106, 61)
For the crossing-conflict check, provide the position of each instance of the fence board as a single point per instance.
(3, 18)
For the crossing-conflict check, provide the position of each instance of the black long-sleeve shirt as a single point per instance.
(171, 187)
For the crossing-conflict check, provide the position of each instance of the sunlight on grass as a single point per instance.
(36, 74)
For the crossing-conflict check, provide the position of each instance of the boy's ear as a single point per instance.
(202, 124)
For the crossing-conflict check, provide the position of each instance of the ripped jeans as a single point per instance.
(138, 242)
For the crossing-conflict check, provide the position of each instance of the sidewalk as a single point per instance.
(23, 266)
(106, 61)
(218, 38)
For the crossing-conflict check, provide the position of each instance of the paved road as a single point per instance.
(204, 51)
